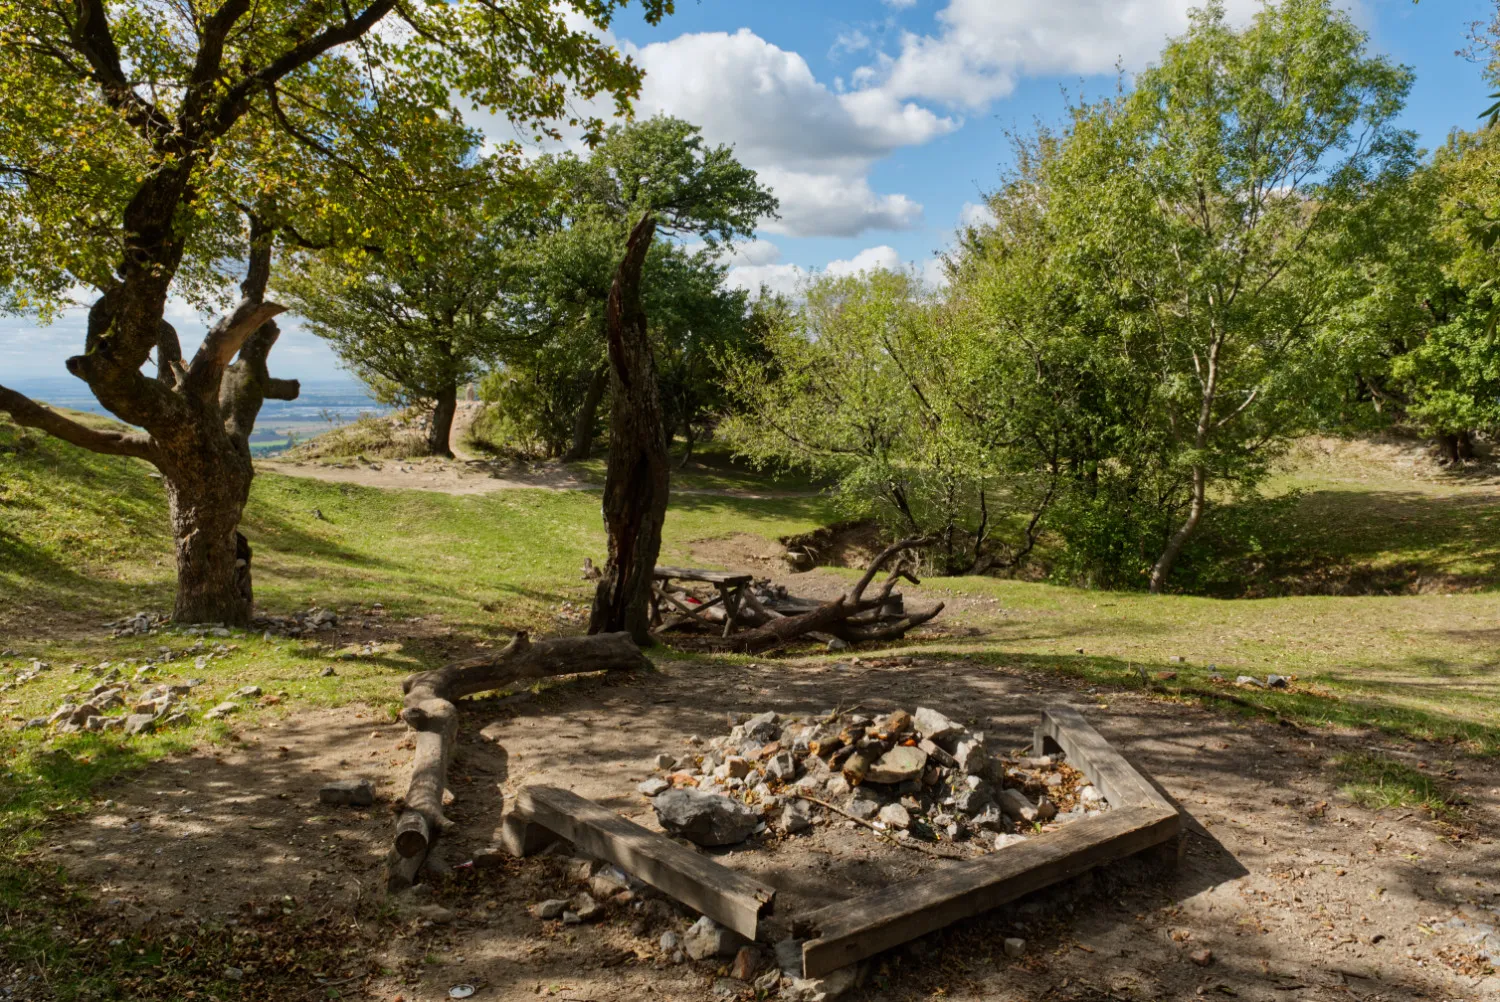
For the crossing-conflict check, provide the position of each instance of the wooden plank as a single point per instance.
(724, 895)
(850, 931)
(694, 574)
(1088, 752)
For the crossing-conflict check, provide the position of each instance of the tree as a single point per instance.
(891, 394)
(638, 474)
(661, 166)
(137, 134)
(421, 318)
(1211, 206)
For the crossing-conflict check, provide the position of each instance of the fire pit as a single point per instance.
(1007, 824)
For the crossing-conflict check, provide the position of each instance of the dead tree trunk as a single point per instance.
(429, 710)
(851, 616)
(639, 469)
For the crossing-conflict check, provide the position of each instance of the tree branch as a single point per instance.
(30, 414)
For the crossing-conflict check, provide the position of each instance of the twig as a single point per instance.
(838, 711)
(907, 844)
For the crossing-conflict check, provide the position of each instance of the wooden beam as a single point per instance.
(727, 896)
(1089, 753)
(849, 931)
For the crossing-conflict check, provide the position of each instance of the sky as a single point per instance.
(881, 124)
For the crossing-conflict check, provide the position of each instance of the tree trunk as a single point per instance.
(1448, 446)
(583, 422)
(1179, 538)
(639, 470)
(1465, 445)
(208, 484)
(687, 450)
(441, 429)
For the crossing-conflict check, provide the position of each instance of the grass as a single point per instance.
(83, 539)
(1376, 782)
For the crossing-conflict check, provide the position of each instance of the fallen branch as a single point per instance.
(906, 844)
(851, 616)
(429, 710)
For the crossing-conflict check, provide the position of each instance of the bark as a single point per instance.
(588, 411)
(639, 470)
(206, 495)
(1163, 566)
(429, 710)
(441, 430)
(1173, 550)
(1448, 446)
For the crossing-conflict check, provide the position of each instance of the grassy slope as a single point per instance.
(83, 539)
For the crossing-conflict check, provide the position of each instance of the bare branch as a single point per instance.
(30, 414)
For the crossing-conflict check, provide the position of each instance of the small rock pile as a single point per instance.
(299, 624)
(139, 703)
(909, 775)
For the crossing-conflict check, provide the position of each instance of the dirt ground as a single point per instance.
(1297, 894)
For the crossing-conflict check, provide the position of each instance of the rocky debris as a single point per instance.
(246, 692)
(221, 711)
(550, 909)
(140, 723)
(899, 765)
(1251, 681)
(348, 793)
(139, 625)
(830, 986)
(1202, 957)
(705, 818)
(919, 775)
(298, 624)
(706, 939)
(1015, 948)
(746, 963)
(653, 787)
(796, 817)
(1277, 682)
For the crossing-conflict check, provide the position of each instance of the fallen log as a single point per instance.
(851, 616)
(429, 710)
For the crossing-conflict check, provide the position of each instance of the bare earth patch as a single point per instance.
(1296, 892)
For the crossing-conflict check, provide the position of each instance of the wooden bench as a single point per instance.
(731, 588)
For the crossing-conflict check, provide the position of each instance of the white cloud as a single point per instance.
(882, 258)
(975, 214)
(814, 146)
(763, 268)
(983, 47)
(835, 206)
(900, 4)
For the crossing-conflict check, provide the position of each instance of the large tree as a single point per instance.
(1212, 207)
(138, 134)
(663, 166)
(418, 318)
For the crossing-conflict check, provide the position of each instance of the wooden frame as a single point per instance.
(1139, 818)
(849, 931)
(727, 896)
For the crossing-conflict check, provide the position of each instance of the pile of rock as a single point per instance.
(915, 775)
(140, 702)
(298, 624)
(140, 625)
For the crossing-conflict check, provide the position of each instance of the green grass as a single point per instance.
(1377, 782)
(83, 539)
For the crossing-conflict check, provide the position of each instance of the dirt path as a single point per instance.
(1297, 893)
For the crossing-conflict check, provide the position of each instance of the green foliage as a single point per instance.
(224, 111)
(556, 316)
(418, 320)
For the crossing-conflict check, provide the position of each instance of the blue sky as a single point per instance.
(881, 123)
